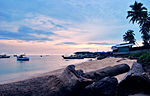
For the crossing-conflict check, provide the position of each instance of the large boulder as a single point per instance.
(135, 81)
(104, 87)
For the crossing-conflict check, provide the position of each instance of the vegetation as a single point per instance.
(140, 15)
(142, 57)
(129, 36)
(133, 55)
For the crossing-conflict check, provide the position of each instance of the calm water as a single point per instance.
(11, 69)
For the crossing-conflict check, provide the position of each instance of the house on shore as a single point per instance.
(123, 48)
(127, 48)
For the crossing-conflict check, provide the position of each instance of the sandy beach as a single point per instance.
(97, 64)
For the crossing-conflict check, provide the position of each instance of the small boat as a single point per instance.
(15, 55)
(72, 57)
(22, 58)
(4, 56)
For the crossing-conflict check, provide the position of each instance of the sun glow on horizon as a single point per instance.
(48, 47)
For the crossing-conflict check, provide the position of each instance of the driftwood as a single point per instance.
(134, 82)
(107, 71)
(104, 87)
(69, 83)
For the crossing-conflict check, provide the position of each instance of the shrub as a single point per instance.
(144, 59)
(136, 55)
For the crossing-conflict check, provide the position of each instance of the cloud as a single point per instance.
(67, 43)
(76, 24)
(41, 27)
(27, 34)
(30, 28)
(103, 43)
(93, 25)
(9, 26)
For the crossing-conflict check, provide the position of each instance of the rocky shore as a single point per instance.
(93, 78)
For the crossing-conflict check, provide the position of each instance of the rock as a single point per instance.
(135, 81)
(104, 87)
(69, 83)
(107, 71)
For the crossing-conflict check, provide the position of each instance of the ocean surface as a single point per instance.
(11, 69)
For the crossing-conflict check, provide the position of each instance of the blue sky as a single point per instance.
(70, 25)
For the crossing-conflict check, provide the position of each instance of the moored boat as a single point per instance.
(4, 56)
(72, 57)
(22, 58)
(15, 55)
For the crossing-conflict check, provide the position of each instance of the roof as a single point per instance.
(122, 45)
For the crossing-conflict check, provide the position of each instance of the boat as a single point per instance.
(72, 57)
(15, 55)
(22, 58)
(4, 56)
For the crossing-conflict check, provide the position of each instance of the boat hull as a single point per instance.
(73, 57)
(4, 56)
(23, 59)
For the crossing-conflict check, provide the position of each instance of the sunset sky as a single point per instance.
(63, 26)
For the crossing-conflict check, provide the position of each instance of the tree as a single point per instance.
(145, 29)
(129, 36)
(139, 15)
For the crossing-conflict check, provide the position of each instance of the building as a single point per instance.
(122, 48)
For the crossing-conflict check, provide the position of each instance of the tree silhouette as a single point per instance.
(129, 36)
(145, 29)
(139, 15)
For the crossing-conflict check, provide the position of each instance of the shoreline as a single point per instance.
(86, 66)
(16, 77)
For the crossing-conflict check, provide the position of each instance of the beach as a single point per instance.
(35, 83)
(95, 65)
(86, 66)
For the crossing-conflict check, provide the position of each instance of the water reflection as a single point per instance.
(36, 64)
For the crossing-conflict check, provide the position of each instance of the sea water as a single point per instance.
(11, 69)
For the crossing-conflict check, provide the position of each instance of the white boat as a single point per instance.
(22, 58)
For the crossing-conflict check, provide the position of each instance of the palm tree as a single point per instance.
(129, 36)
(145, 29)
(137, 13)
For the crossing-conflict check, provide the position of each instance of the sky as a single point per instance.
(64, 26)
